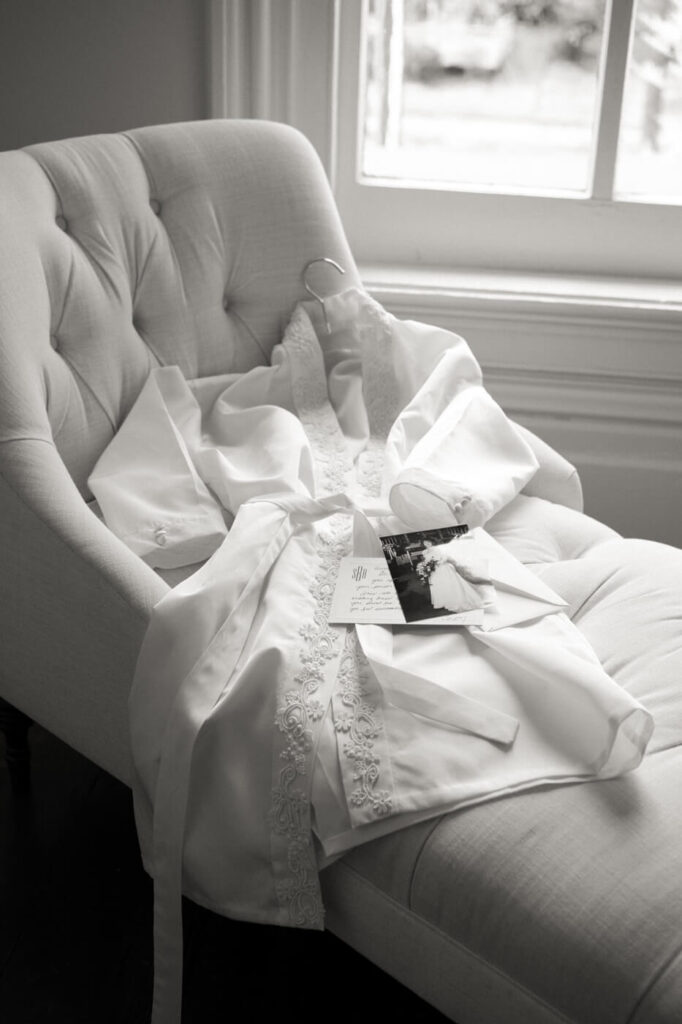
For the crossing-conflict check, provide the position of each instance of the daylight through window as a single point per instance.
(519, 96)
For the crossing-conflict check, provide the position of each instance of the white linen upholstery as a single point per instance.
(174, 244)
(185, 244)
(558, 904)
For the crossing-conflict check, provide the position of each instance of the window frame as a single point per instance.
(389, 222)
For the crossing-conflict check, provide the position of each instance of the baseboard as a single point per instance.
(597, 375)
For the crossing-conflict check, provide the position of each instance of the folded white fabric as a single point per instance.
(146, 483)
(493, 463)
(255, 722)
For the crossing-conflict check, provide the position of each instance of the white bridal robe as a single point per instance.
(267, 740)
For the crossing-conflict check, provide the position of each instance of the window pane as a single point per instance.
(482, 93)
(650, 150)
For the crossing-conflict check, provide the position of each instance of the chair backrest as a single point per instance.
(178, 244)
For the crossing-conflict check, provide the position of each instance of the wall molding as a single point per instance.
(559, 355)
(628, 330)
(598, 375)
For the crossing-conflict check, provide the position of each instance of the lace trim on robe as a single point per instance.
(380, 392)
(306, 693)
(360, 722)
(356, 704)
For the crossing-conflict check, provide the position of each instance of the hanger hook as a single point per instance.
(311, 291)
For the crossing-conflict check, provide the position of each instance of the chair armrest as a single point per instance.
(74, 603)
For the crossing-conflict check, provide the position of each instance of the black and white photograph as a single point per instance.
(279, 279)
(429, 579)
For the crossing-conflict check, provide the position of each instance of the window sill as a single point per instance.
(610, 295)
(615, 331)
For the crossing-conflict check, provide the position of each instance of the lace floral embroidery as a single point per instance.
(380, 390)
(302, 703)
(298, 891)
(361, 726)
(379, 383)
(356, 716)
(309, 385)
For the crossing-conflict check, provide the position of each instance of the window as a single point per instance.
(650, 142)
(504, 95)
(481, 94)
(601, 195)
(567, 286)
(522, 135)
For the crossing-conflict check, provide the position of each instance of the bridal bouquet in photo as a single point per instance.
(427, 566)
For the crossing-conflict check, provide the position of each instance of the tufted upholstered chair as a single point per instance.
(179, 244)
(184, 244)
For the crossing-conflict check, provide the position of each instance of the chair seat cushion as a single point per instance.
(572, 893)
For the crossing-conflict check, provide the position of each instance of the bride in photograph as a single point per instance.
(451, 580)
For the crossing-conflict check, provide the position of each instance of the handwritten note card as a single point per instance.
(365, 593)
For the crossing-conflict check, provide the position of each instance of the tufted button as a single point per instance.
(226, 303)
(155, 205)
(60, 222)
(160, 536)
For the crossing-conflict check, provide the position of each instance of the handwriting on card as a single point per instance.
(365, 593)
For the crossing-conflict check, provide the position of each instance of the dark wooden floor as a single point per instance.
(75, 924)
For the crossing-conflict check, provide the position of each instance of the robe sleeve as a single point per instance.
(146, 483)
(462, 463)
(171, 478)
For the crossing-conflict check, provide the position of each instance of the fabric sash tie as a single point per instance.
(203, 688)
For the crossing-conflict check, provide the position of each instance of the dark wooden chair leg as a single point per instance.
(14, 724)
